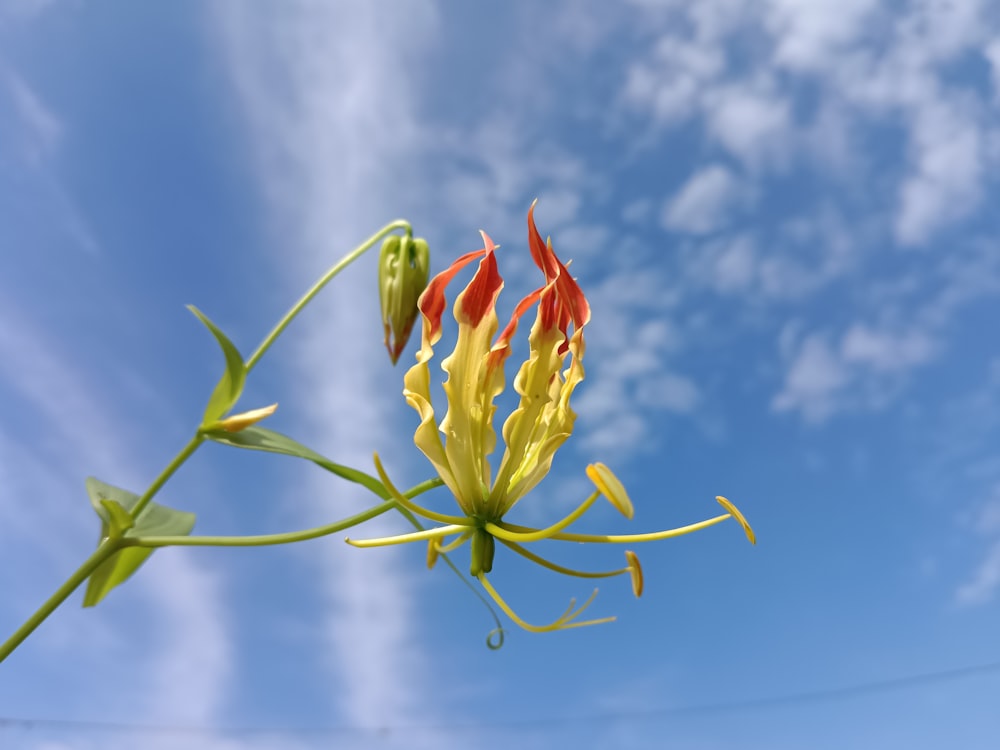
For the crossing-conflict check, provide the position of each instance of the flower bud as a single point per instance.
(238, 422)
(403, 270)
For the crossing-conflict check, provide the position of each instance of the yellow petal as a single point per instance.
(238, 422)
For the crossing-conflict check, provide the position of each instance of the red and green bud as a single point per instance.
(403, 270)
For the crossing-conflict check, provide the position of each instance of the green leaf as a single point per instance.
(230, 386)
(114, 506)
(261, 439)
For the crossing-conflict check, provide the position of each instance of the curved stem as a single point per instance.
(323, 281)
(104, 550)
(259, 540)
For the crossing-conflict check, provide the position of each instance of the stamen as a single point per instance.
(651, 537)
(740, 519)
(435, 548)
(565, 621)
(611, 488)
(413, 536)
(636, 570)
(452, 546)
(568, 621)
(409, 504)
(559, 568)
(504, 531)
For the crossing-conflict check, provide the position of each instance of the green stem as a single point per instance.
(323, 281)
(168, 472)
(104, 550)
(260, 540)
(287, 537)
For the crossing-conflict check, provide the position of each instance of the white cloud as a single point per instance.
(558, 206)
(734, 267)
(812, 381)
(671, 83)
(862, 371)
(867, 67)
(670, 392)
(752, 121)
(65, 405)
(333, 136)
(945, 183)
(192, 670)
(41, 129)
(31, 137)
(985, 580)
(810, 35)
(638, 211)
(992, 54)
(988, 518)
(24, 10)
(705, 202)
(631, 382)
(727, 264)
(886, 352)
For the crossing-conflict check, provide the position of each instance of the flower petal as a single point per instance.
(416, 382)
(543, 419)
(568, 304)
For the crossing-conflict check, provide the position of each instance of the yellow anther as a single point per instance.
(609, 486)
(636, 572)
(735, 513)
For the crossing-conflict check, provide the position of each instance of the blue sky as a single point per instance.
(780, 212)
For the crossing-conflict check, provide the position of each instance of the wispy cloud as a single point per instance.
(861, 369)
(32, 134)
(984, 582)
(75, 429)
(41, 129)
(331, 107)
(704, 202)
(867, 65)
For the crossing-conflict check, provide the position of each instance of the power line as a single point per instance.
(807, 696)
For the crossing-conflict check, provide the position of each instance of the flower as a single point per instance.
(460, 445)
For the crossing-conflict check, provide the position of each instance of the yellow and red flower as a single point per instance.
(459, 445)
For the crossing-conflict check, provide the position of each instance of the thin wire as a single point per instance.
(808, 696)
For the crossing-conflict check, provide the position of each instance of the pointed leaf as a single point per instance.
(230, 386)
(114, 505)
(261, 439)
(98, 492)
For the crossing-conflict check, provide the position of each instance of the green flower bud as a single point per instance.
(403, 269)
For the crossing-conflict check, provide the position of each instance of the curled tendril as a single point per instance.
(495, 638)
